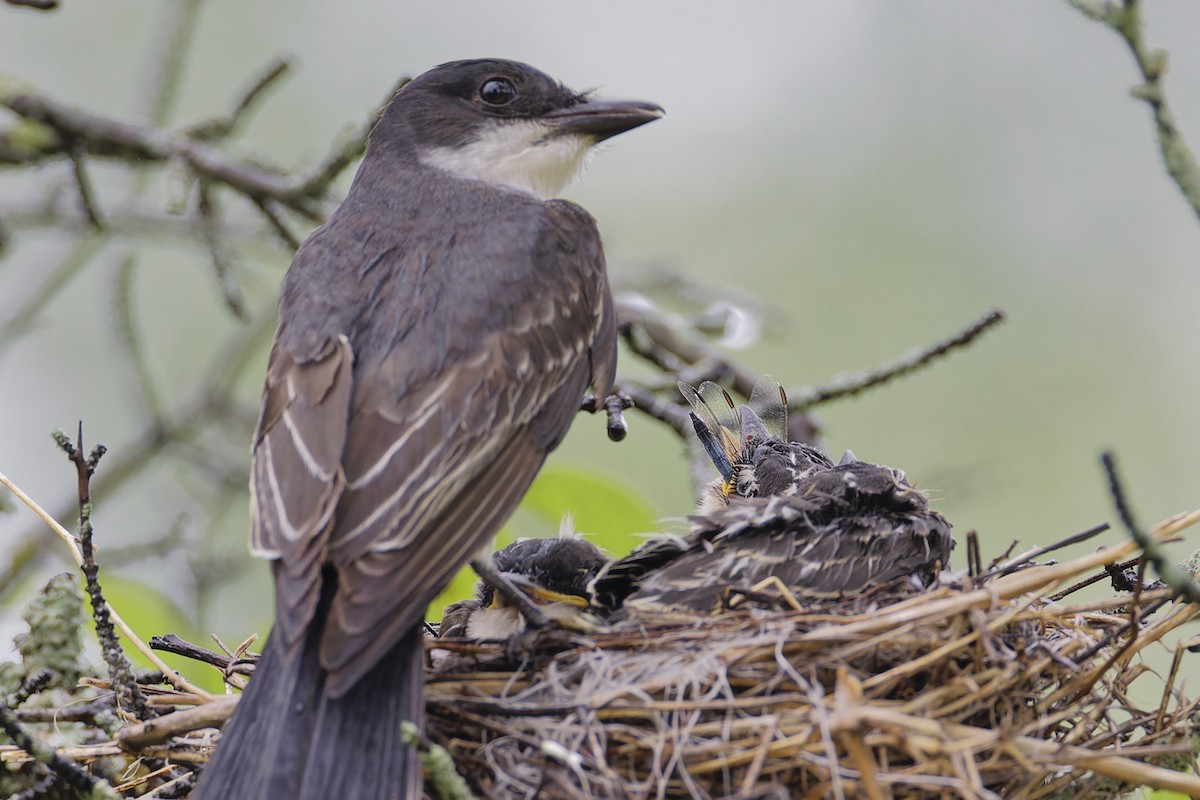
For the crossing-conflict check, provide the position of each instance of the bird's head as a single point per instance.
(504, 123)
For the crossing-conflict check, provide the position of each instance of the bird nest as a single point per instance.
(996, 685)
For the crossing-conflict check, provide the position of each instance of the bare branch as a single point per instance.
(1173, 575)
(267, 207)
(222, 127)
(87, 196)
(140, 145)
(855, 383)
(351, 146)
(40, 5)
(1126, 21)
(222, 260)
(120, 671)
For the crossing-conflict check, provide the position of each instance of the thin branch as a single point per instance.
(140, 145)
(351, 146)
(119, 669)
(855, 383)
(172, 643)
(177, 33)
(1086, 582)
(222, 127)
(133, 224)
(222, 260)
(87, 195)
(1126, 21)
(1173, 575)
(39, 5)
(1117, 490)
(267, 207)
(1028, 556)
(648, 333)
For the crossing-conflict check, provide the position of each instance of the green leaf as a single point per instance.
(611, 513)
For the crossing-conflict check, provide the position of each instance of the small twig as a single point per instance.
(222, 127)
(1126, 20)
(267, 207)
(319, 179)
(30, 686)
(40, 5)
(1172, 574)
(1086, 582)
(75, 713)
(222, 261)
(119, 668)
(974, 557)
(1117, 492)
(175, 39)
(171, 643)
(158, 730)
(141, 145)
(1023, 559)
(87, 195)
(852, 384)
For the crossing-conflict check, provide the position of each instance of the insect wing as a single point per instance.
(769, 401)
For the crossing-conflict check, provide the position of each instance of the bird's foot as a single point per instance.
(615, 405)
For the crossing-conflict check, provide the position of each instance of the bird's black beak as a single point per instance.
(602, 118)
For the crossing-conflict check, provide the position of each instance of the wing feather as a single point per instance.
(297, 478)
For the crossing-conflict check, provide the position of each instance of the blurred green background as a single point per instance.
(879, 174)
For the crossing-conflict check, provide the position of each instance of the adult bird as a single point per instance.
(436, 337)
(782, 517)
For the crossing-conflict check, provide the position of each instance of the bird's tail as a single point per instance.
(288, 740)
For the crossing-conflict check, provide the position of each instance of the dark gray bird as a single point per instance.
(553, 572)
(436, 338)
(784, 522)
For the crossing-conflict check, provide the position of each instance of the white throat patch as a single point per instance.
(516, 155)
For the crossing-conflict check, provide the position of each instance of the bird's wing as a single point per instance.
(453, 409)
(297, 479)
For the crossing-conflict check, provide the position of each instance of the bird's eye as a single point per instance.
(497, 92)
